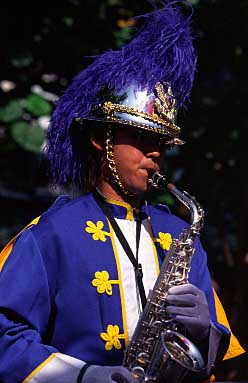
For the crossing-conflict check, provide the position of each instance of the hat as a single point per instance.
(154, 111)
(143, 85)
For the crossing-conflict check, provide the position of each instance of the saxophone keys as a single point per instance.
(138, 372)
(143, 358)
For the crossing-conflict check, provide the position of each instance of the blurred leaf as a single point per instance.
(68, 21)
(75, 2)
(194, 2)
(30, 137)
(37, 105)
(11, 111)
(162, 198)
(235, 135)
(123, 35)
(166, 199)
(21, 59)
(105, 5)
(112, 3)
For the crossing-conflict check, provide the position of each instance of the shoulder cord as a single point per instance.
(137, 266)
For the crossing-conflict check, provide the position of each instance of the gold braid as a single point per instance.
(111, 162)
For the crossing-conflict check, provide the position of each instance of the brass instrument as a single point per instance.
(158, 350)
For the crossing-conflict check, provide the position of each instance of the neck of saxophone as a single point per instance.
(160, 181)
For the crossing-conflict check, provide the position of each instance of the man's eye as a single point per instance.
(141, 136)
(145, 137)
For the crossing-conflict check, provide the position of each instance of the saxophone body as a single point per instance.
(158, 350)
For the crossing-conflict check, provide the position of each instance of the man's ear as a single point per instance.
(98, 139)
(98, 143)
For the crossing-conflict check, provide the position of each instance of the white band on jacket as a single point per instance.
(59, 368)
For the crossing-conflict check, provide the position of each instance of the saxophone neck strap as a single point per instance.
(134, 260)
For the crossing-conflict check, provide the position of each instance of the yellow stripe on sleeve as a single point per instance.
(235, 348)
(40, 367)
(7, 249)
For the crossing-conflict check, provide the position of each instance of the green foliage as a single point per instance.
(30, 136)
(122, 36)
(37, 106)
(68, 21)
(21, 119)
(235, 135)
(12, 111)
(194, 2)
(22, 59)
(105, 5)
(164, 198)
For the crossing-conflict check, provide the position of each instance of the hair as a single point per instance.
(86, 156)
(162, 50)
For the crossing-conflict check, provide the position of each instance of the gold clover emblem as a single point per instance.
(96, 230)
(165, 240)
(111, 337)
(102, 282)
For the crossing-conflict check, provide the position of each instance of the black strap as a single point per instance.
(137, 266)
(82, 372)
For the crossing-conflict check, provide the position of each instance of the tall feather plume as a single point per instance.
(162, 50)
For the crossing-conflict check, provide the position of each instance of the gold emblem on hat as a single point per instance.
(165, 102)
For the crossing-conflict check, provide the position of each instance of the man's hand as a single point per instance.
(108, 374)
(188, 305)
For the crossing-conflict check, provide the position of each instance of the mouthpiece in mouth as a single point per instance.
(158, 180)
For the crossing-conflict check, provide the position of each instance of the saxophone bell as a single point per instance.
(182, 350)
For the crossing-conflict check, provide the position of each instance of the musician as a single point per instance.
(72, 284)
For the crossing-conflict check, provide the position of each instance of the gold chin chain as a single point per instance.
(112, 164)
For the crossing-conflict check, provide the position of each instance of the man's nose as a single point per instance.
(154, 154)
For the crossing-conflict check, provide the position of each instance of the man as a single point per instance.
(73, 284)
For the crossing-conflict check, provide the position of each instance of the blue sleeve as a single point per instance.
(25, 307)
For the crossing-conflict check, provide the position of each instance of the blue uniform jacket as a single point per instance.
(61, 286)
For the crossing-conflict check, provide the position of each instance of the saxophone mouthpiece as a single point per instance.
(158, 181)
(161, 181)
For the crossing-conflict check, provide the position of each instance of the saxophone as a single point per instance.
(158, 350)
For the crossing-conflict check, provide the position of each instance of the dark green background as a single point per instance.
(47, 43)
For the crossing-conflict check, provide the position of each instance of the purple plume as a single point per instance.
(162, 50)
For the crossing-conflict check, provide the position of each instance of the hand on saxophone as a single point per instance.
(188, 306)
(107, 374)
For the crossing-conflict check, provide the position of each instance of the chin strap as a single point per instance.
(112, 164)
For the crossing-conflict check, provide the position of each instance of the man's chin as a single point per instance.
(141, 189)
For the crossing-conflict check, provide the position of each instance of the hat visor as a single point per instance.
(168, 128)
